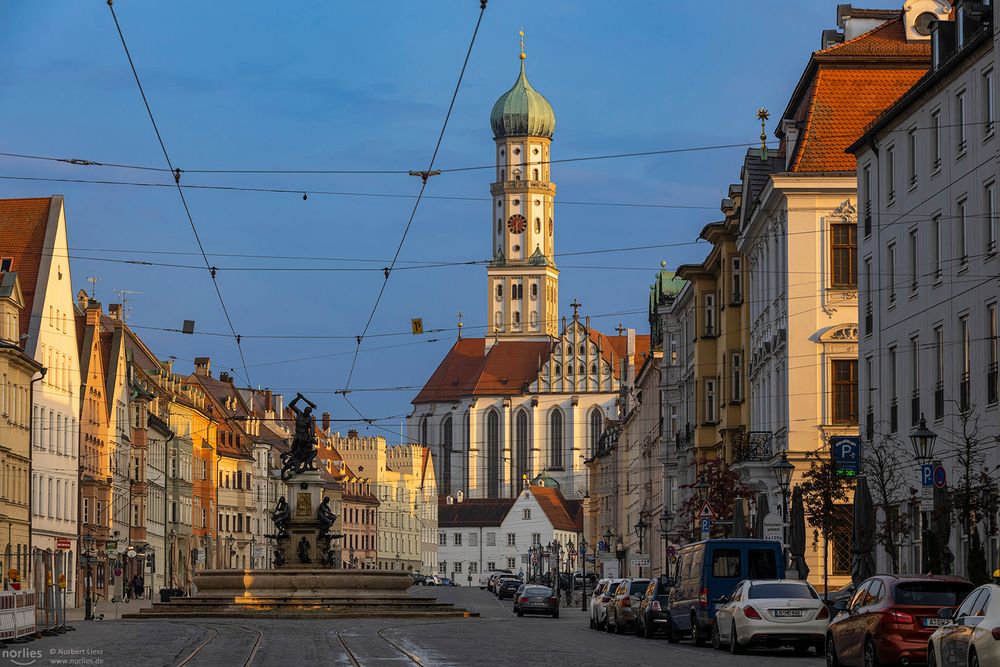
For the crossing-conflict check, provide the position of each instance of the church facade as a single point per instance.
(531, 398)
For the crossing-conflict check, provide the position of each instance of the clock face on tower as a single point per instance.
(516, 223)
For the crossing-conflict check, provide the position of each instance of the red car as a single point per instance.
(890, 618)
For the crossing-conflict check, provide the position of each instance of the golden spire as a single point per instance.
(762, 116)
(521, 33)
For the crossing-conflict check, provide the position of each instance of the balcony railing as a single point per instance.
(753, 446)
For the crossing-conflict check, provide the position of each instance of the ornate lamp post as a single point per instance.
(231, 544)
(583, 557)
(666, 523)
(640, 531)
(783, 473)
(170, 559)
(922, 439)
(88, 547)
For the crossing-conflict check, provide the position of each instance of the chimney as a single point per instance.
(630, 349)
(326, 422)
(93, 312)
(203, 366)
(115, 311)
(460, 496)
(268, 404)
(352, 435)
(279, 405)
(82, 299)
(225, 377)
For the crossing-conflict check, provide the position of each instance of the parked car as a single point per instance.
(771, 613)
(578, 581)
(537, 600)
(507, 587)
(890, 618)
(972, 636)
(621, 610)
(600, 602)
(595, 595)
(484, 577)
(843, 593)
(652, 613)
(494, 578)
(710, 569)
(419, 579)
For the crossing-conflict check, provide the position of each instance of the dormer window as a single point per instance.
(6, 263)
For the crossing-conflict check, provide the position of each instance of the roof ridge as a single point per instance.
(863, 35)
(803, 141)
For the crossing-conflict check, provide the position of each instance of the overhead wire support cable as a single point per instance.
(180, 191)
(424, 177)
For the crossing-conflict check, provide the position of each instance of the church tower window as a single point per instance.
(517, 318)
(538, 226)
(596, 425)
(493, 454)
(517, 174)
(556, 439)
(499, 290)
(534, 174)
(534, 290)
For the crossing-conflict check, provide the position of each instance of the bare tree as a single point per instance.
(822, 491)
(883, 463)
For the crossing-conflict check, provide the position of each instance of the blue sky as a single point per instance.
(320, 85)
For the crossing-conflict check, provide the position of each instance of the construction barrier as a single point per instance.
(24, 613)
(49, 573)
(8, 629)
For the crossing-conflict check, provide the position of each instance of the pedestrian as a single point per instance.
(137, 586)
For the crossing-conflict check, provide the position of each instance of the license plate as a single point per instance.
(539, 599)
(935, 622)
(787, 613)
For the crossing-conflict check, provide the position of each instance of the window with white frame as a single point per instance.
(491, 539)
(936, 231)
(891, 270)
(890, 173)
(511, 563)
(511, 539)
(990, 215)
(458, 539)
(491, 566)
(457, 567)
(526, 514)
(989, 112)
(961, 132)
(473, 540)
(936, 139)
(737, 279)
(911, 157)
(710, 329)
(674, 421)
(443, 567)
(711, 411)
(962, 229)
(536, 539)
(473, 567)
(736, 385)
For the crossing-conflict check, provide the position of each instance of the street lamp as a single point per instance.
(783, 473)
(230, 543)
(253, 546)
(88, 546)
(640, 531)
(583, 556)
(666, 523)
(922, 439)
(170, 559)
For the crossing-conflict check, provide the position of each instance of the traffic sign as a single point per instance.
(927, 474)
(846, 452)
(706, 527)
(773, 527)
(111, 546)
(706, 511)
(118, 572)
(671, 551)
(640, 560)
(940, 477)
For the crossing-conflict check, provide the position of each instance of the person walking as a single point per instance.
(137, 586)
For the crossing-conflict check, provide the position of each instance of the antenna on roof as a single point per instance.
(93, 280)
(123, 297)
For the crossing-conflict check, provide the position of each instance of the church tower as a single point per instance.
(522, 278)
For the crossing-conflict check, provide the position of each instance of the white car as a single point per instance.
(771, 612)
(971, 637)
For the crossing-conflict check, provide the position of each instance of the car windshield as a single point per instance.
(931, 593)
(638, 587)
(781, 590)
(537, 590)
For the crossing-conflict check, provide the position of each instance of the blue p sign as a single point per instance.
(927, 474)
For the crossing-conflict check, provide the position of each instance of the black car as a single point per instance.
(537, 600)
(506, 588)
(652, 613)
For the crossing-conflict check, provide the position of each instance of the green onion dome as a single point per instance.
(522, 112)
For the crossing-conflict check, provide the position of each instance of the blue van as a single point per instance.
(706, 571)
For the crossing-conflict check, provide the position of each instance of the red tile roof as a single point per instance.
(474, 512)
(22, 237)
(845, 87)
(562, 514)
(506, 369)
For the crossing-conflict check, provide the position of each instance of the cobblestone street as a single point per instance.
(497, 637)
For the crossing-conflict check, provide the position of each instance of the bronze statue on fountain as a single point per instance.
(303, 451)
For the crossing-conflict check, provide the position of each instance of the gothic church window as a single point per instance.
(521, 447)
(517, 318)
(538, 226)
(493, 454)
(446, 442)
(534, 174)
(556, 439)
(499, 290)
(534, 291)
(596, 425)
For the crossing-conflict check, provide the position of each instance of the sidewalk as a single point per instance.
(110, 610)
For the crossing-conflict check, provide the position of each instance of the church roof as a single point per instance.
(23, 225)
(507, 368)
(845, 87)
(522, 111)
